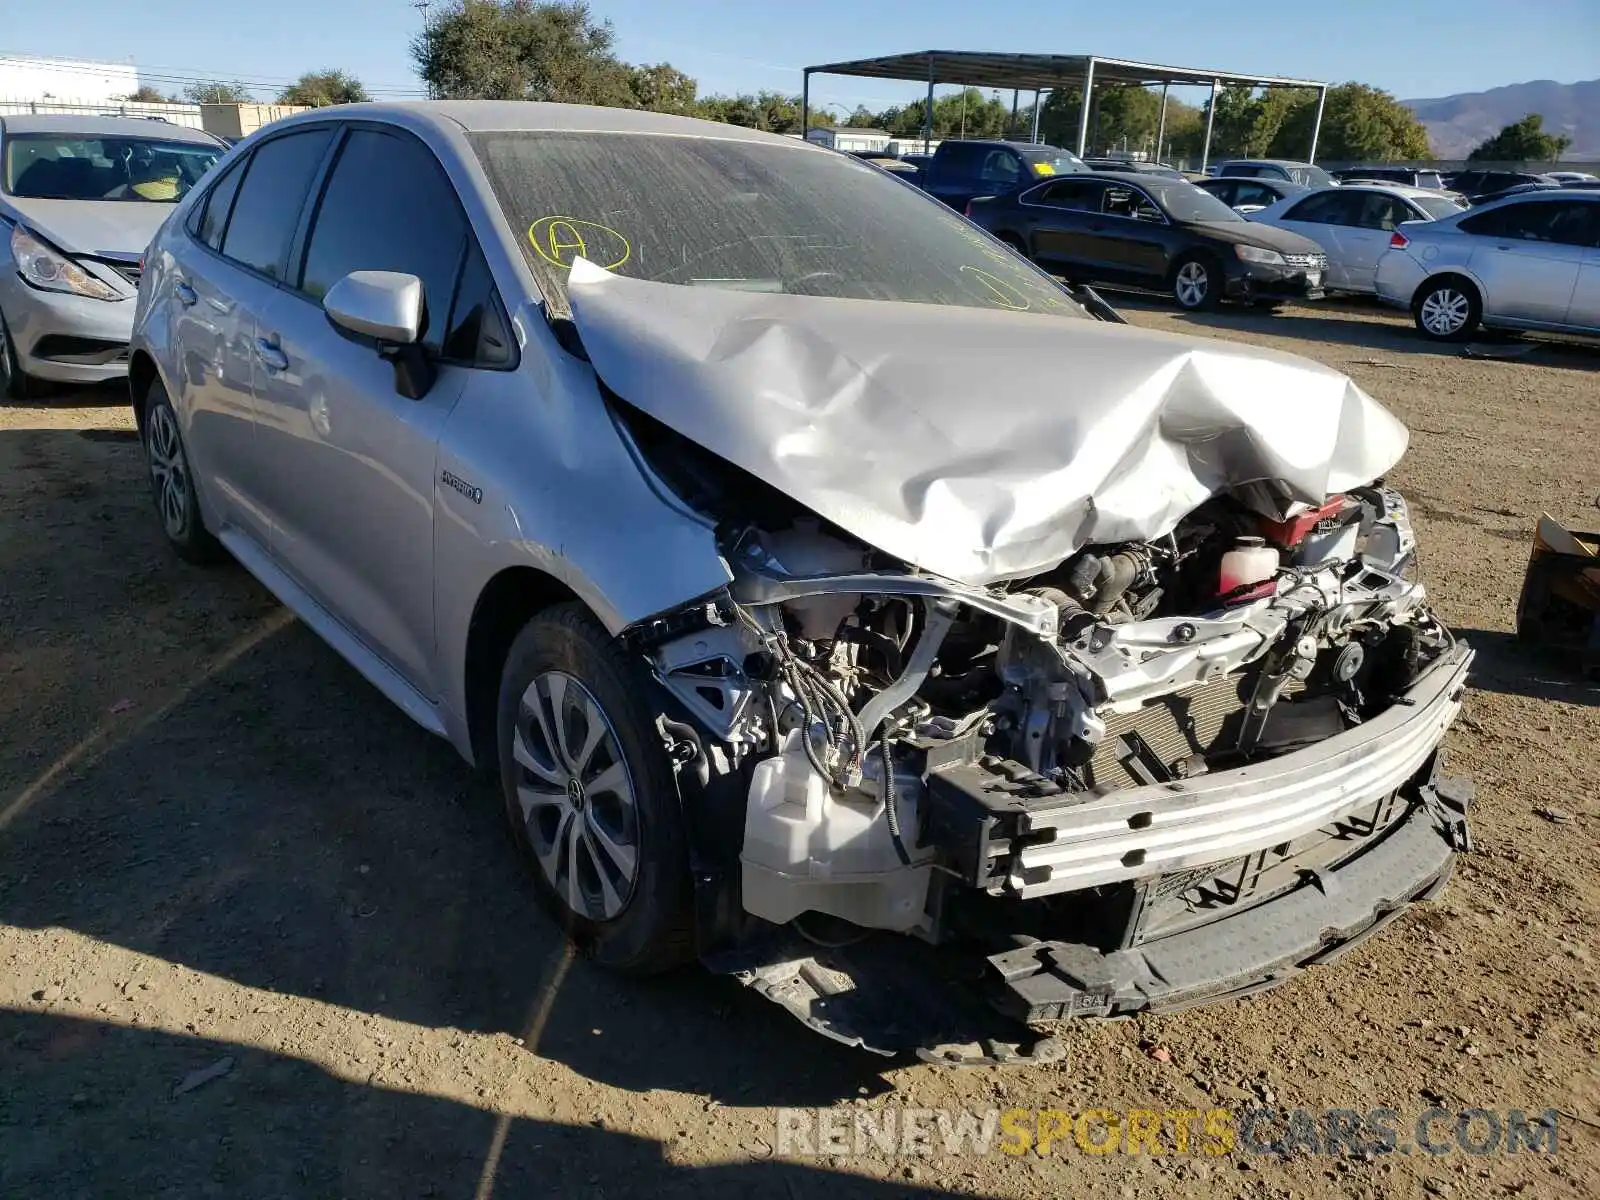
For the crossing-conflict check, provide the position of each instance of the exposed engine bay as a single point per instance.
(1121, 695)
(1063, 756)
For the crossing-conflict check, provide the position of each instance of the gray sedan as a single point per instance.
(80, 198)
(827, 590)
(1353, 223)
(1526, 262)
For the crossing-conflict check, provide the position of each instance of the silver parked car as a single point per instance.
(831, 595)
(79, 199)
(1304, 173)
(1530, 261)
(1353, 223)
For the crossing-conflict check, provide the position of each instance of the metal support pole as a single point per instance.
(1161, 125)
(1316, 125)
(805, 105)
(1083, 111)
(1011, 129)
(927, 113)
(1211, 116)
(963, 111)
(1038, 109)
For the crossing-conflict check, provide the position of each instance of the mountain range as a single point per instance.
(1457, 123)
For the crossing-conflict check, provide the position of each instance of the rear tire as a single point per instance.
(172, 482)
(590, 795)
(14, 384)
(1197, 283)
(1447, 309)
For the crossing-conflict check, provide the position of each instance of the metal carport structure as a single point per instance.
(1047, 72)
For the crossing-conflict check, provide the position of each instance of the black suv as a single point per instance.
(1480, 186)
(963, 170)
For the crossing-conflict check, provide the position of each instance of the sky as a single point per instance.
(1414, 51)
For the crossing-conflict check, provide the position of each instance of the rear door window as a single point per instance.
(959, 162)
(1080, 196)
(267, 208)
(1382, 211)
(388, 206)
(1249, 192)
(1535, 221)
(1327, 208)
(1001, 169)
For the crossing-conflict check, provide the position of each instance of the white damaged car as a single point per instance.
(838, 599)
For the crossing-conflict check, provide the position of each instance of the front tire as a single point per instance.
(1447, 309)
(590, 795)
(1197, 283)
(172, 482)
(14, 384)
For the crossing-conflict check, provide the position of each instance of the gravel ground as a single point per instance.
(261, 937)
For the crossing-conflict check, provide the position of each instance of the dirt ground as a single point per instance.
(220, 848)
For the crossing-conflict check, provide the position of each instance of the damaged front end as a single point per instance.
(1118, 698)
(1133, 782)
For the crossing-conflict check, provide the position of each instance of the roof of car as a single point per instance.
(526, 116)
(1141, 178)
(94, 126)
(1270, 181)
(1410, 191)
(1276, 162)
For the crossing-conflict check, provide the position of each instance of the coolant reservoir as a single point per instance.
(808, 848)
(1249, 564)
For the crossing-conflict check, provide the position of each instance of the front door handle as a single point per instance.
(271, 355)
(186, 295)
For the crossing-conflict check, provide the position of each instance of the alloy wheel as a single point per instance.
(170, 471)
(1444, 312)
(577, 796)
(1192, 284)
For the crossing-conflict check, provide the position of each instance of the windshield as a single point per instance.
(1051, 160)
(1437, 206)
(746, 216)
(66, 166)
(1182, 201)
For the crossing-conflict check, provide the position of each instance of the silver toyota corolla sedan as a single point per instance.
(80, 198)
(834, 596)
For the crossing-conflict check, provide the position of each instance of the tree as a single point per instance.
(1359, 124)
(863, 118)
(317, 88)
(149, 95)
(663, 88)
(1522, 141)
(522, 50)
(216, 92)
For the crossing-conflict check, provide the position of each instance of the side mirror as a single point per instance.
(387, 306)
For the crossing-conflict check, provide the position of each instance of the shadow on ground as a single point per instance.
(277, 1126)
(276, 822)
(78, 395)
(1516, 668)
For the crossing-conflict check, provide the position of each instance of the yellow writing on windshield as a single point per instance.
(998, 290)
(1044, 168)
(559, 240)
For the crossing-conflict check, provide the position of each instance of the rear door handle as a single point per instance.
(186, 295)
(271, 355)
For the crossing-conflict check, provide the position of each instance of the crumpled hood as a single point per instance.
(93, 226)
(977, 444)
